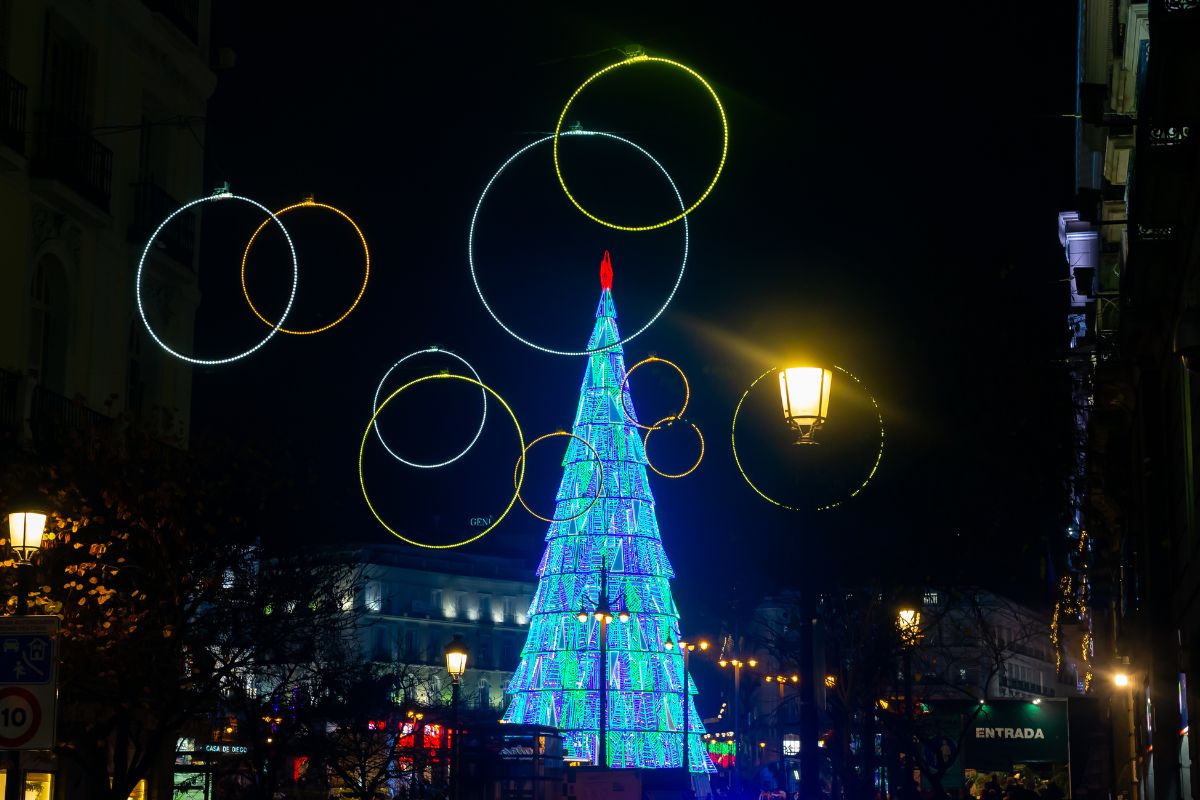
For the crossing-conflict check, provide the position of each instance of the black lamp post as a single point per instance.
(685, 650)
(603, 615)
(456, 665)
(908, 620)
(25, 529)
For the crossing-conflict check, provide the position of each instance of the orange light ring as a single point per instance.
(366, 270)
(521, 465)
(828, 506)
(371, 425)
(657, 425)
(687, 394)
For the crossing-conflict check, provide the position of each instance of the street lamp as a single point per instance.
(1123, 680)
(603, 615)
(25, 529)
(804, 392)
(456, 665)
(908, 622)
(685, 650)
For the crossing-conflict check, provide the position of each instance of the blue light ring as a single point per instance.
(471, 247)
(363, 445)
(375, 405)
(137, 284)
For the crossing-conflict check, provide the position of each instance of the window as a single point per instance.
(48, 324)
(373, 596)
(37, 785)
(140, 377)
(485, 693)
(508, 609)
(485, 607)
(67, 73)
(507, 655)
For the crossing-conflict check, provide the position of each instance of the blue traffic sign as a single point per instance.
(26, 658)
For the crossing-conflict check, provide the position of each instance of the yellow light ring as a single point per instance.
(366, 270)
(646, 450)
(687, 394)
(644, 59)
(871, 474)
(371, 425)
(521, 465)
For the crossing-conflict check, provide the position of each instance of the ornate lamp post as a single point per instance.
(804, 392)
(737, 665)
(603, 615)
(25, 529)
(1123, 680)
(456, 665)
(908, 620)
(685, 650)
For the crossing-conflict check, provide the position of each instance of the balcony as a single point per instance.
(183, 14)
(65, 152)
(1025, 686)
(12, 113)
(151, 205)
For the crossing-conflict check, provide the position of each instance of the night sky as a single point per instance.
(888, 205)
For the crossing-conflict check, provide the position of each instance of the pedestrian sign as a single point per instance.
(28, 682)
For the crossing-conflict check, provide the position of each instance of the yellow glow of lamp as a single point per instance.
(1121, 679)
(456, 658)
(25, 529)
(908, 620)
(582, 616)
(804, 392)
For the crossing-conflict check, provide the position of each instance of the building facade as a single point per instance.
(1129, 603)
(415, 601)
(102, 109)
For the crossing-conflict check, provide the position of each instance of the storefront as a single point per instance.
(1019, 740)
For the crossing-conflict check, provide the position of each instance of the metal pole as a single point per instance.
(454, 733)
(687, 762)
(14, 784)
(604, 690)
(907, 777)
(1133, 751)
(737, 726)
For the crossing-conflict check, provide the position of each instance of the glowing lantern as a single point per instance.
(25, 530)
(804, 392)
(456, 659)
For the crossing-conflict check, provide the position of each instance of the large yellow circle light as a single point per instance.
(827, 506)
(521, 466)
(310, 203)
(371, 426)
(644, 59)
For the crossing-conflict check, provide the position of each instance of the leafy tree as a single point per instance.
(178, 592)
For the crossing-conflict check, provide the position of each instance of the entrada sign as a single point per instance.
(1010, 733)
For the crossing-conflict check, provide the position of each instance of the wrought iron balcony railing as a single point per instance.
(68, 153)
(12, 112)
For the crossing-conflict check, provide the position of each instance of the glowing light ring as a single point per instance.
(643, 59)
(646, 443)
(687, 395)
(521, 464)
(375, 405)
(471, 248)
(367, 433)
(366, 269)
(827, 506)
(210, 362)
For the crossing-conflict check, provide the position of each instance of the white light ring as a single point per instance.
(211, 362)
(471, 247)
(375, 406)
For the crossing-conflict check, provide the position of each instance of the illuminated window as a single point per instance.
(374, 596)
(791, 744)
(139, 791)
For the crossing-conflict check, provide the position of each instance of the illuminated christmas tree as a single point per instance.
(615, 545)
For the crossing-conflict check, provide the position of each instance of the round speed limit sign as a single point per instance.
(20, 716)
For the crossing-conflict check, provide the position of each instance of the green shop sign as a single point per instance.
(1008, 732)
